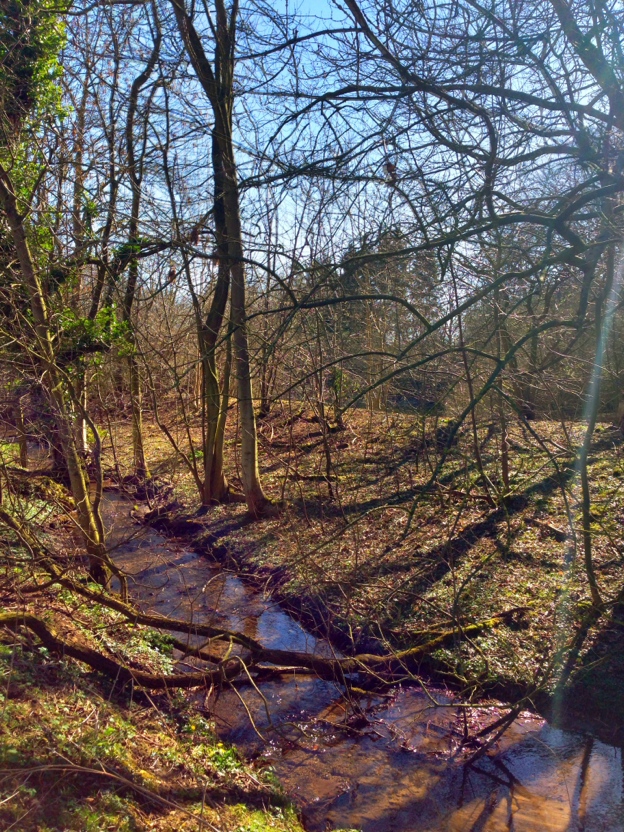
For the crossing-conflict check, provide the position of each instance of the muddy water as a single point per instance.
(402, 769)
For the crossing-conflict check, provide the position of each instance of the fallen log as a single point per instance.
(112, 668)
(332, 668)
(385, 667)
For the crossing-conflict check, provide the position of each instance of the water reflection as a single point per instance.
(402, 770)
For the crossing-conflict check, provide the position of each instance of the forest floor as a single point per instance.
(377, 560)
(367, 554)
(74, 755)
(82, 751)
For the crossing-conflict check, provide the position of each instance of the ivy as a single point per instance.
(79, 335)
(31, 37)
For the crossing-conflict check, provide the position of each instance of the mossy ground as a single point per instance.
(76, 755)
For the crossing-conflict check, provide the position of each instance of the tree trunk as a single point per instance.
(216, 488)
(21, 433)
(141, 470)
(218, 84)
(215, 484)
(254, 495)
(218, 483)
(136, 403)
(58, 389)
(504, 443)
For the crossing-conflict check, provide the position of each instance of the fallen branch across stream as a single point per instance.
(385, 667)
(113, 668)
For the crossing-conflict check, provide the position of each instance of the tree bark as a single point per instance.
(135, 173)
(254, 495)
(218, 84)
(58, 389)
(216, 488)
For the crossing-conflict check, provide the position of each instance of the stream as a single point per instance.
(400, 770)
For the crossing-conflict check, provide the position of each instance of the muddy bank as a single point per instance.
(594, 702)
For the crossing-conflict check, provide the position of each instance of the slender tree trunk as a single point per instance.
(218, 84)
(136, 399)
(78, 225)
(135, 170)
(57, 387)
(141, 470)
(319, 407)
(593, 407)
(83, 430)
(254, 495)
(485, 480)
(215, 484)
(21, 433)
(219, 443)
(530, 384)
(216, 487)
(101, 288)
(267, 368)
(504, 443)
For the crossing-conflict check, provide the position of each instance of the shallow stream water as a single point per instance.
(400, 770)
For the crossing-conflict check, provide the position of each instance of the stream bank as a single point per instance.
(594, 703)
(384, 763)
(353, 568)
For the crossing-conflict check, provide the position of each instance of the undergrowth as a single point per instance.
(79, 752)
